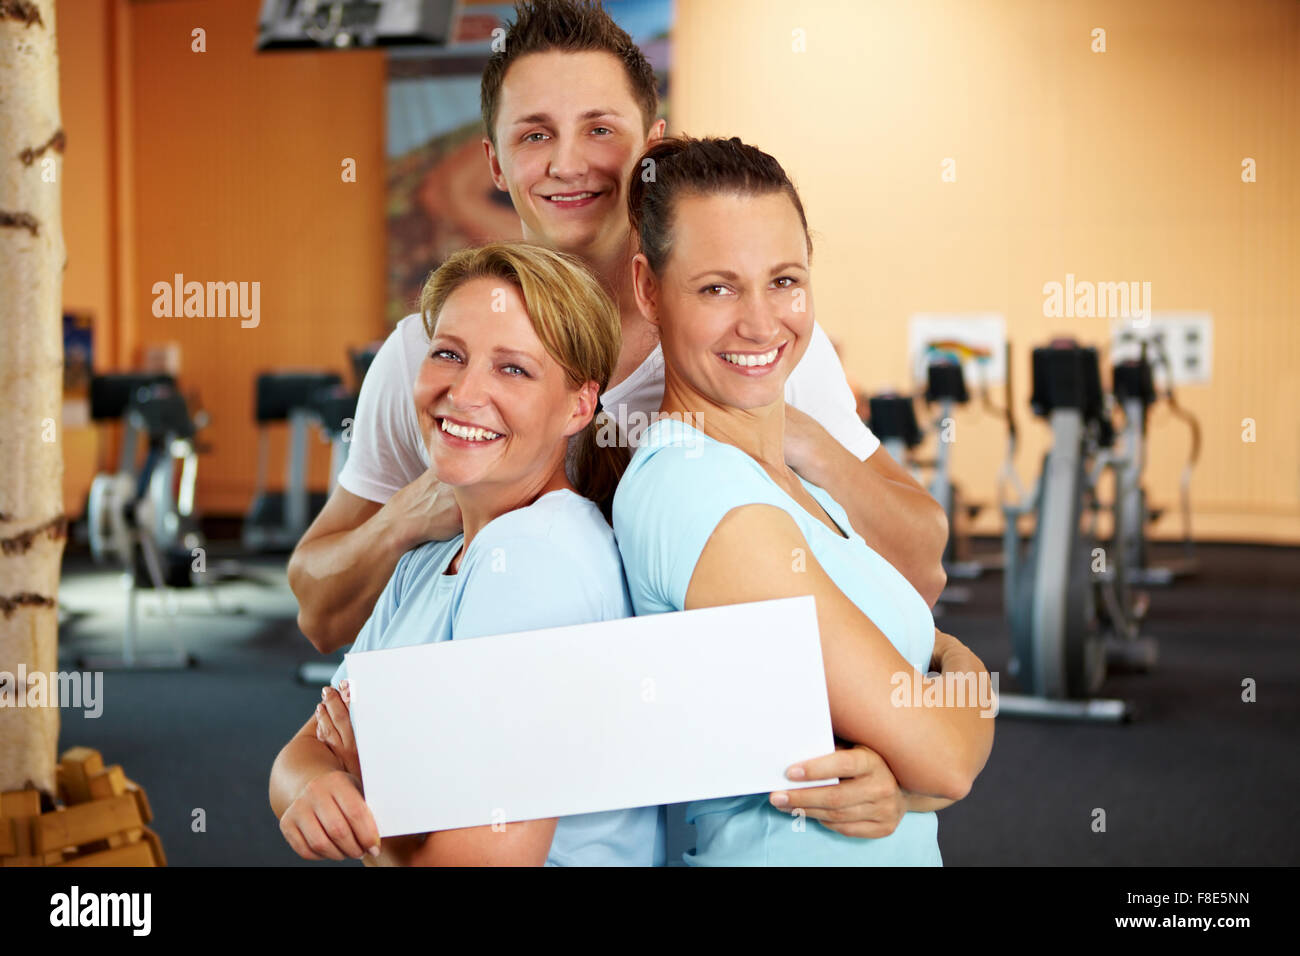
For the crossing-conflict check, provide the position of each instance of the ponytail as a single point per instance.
(600, 459)
(679, 166)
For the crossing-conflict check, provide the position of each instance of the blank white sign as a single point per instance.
(638, 712)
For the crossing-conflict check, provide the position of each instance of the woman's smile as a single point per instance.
(753, 364)
(462, 434)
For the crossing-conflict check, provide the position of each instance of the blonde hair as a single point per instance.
(576, 321)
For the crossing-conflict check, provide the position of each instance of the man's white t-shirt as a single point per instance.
(387, 452)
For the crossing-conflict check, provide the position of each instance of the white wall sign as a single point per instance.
(982, 332)
(1187, 338)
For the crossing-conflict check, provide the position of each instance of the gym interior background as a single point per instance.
(954, 160)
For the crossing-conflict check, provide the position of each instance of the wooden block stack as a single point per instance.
(102, 821)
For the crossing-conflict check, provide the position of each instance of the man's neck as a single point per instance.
(612, 267)
(614, 270)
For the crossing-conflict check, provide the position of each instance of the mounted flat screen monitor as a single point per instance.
(345, 24)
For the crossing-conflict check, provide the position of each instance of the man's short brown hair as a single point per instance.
(570, 26)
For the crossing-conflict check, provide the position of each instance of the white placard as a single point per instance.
(1185, 338)
(638, 712)
(985, 332)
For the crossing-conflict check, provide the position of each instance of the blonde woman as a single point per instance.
(521, 342)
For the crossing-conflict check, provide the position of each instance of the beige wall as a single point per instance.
(1123, 165)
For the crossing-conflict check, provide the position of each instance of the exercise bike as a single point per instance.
(1070, 611)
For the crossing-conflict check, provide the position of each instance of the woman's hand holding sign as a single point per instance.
(334, 727)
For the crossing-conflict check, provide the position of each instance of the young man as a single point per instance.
(568, 107)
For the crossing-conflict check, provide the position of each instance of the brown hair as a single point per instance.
(576, 321)
(571, 26)
(683, 166)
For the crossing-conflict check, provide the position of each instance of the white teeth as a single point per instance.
(573, 198)
(469, 434)
(736, 358)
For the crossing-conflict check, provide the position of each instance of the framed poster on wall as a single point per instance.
(440, 194)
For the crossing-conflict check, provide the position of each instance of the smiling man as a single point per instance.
(568, 107)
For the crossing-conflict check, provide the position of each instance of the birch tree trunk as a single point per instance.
(32, 524)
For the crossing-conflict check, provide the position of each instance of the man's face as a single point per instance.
(568, 135)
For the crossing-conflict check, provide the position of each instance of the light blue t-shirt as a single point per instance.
(679, 486)
(553, 563)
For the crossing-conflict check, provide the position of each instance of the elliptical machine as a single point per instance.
(1067, 602)
(143, 516)
(946, 387)
(1135, 390)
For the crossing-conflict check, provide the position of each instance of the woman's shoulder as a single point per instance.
(673, 451)
(553, 562)
(680, 484)
(427, 558)
(562, 512)
(558, 524)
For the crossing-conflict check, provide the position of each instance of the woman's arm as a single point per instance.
(867, 801)
(950, 656)
(321, 810)
(513, 844)
(509, 844)
(937, 751)
(919, 803)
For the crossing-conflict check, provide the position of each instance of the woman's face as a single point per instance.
(494, 407)
(734, 302)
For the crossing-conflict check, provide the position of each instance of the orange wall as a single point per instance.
(84, 36)
(232, 173)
